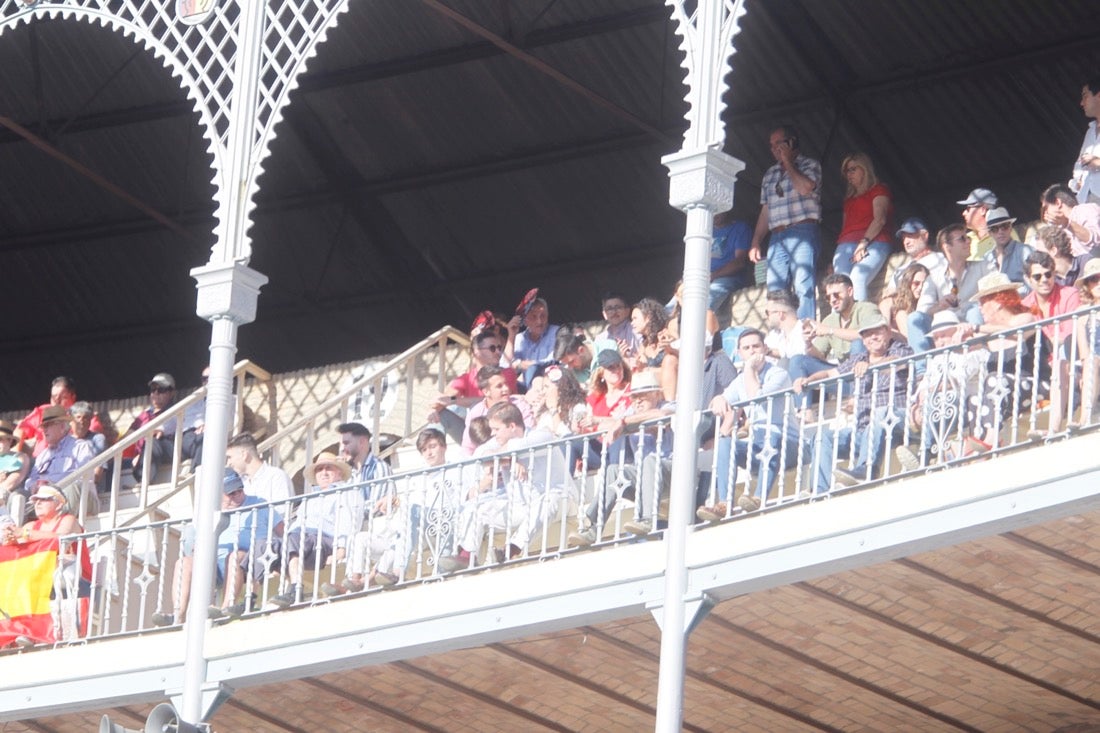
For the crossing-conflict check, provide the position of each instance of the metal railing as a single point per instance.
(542, 497)
(425, 361)
(81, 482)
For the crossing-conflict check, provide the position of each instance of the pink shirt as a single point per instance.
(466, 385)
(1087, 216)
(1064, 299)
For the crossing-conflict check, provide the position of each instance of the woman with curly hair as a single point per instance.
(905, 299)
(562, 395)
(650, 321)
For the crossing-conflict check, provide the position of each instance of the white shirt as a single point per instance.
(269, 483)
(1086, 181)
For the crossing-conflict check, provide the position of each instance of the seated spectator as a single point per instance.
(670, 342)
(730, 269)
(1019, 363)
(948, 411)
(1080, 221)
(261, 479)
(63, 453)
(952, 288)
(767, 430)
(651, 470)
(534, 344)
(913, 236)
(54, 520)
(491, 382)
(573, 352)
(1048, 299)
(29, 429)
(787, 333)
(162, 395)
(520, 488)
(608, 401)
(355, 448)
(879, 409)
(906, 298)
(81, 414)
(323, 527)
(619, 329)
(649, 319)
(565, 403)
(1055, 242)
(863, 245)
(535, 397)
(837, 334)
(463, 391)
(14, 465)
(244, 519)
(976, 207)
(1007, 254)
(1088, 338)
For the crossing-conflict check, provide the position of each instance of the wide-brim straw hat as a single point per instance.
(327, 459)
(995, 282)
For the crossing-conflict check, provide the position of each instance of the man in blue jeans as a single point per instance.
(790, 210)
(769, 428)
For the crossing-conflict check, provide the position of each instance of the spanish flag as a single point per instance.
(26, 580)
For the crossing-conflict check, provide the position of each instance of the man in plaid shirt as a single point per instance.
(790, 211)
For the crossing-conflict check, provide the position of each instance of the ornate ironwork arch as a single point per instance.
(205, 60)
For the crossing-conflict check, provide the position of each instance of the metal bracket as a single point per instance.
(695, 610)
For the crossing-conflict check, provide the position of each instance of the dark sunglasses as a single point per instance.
(159, 390)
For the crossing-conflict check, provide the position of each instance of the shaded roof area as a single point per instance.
(994, 634)
(443, 156)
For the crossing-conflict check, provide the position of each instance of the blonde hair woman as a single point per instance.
(863, 245)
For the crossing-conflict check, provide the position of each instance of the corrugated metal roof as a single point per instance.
(422, 173)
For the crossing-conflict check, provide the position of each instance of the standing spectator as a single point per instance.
(863, 245)
(14, 465)
(1086, 170)
(1056, 243)
(1080, 221)
(951, 289)
(730, 269)
(975, 208)
(790, 198)
(1007, 254)
(534, 346)
(63, 453)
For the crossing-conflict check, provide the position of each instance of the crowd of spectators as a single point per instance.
(542, 403)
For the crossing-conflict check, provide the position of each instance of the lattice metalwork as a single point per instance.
(708, 53)
(204, 58)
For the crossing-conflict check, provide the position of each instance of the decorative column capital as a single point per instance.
(228, 290)
(701, 178)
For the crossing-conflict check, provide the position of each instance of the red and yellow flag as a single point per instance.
(26, 580)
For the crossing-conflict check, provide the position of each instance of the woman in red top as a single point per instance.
(864, 242)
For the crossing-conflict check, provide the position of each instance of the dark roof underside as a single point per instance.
(422, 173)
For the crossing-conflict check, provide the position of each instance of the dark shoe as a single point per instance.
(164, 619)
(285, 600)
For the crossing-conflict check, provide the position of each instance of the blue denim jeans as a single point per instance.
(792, 258)
(870, 443)
(864, 271)
(747, 452)
(720, 290)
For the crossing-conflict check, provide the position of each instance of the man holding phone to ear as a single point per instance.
(790, 211)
